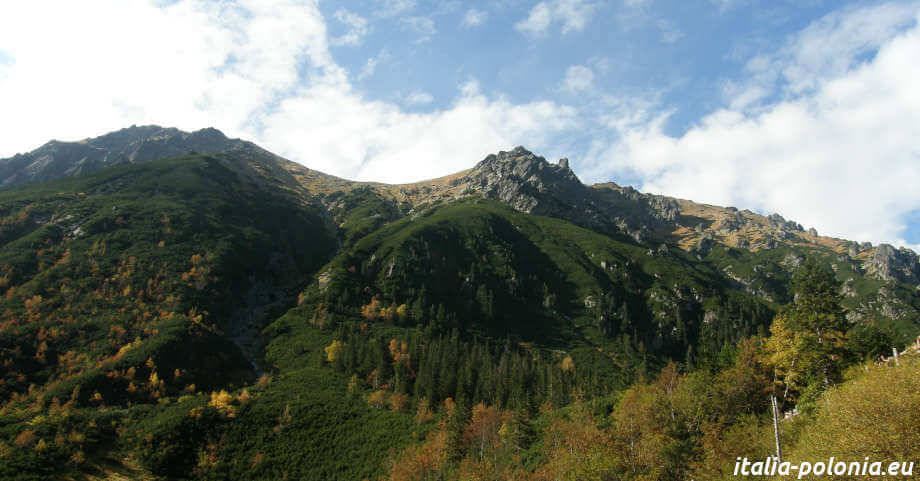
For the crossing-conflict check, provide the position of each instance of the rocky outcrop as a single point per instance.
(705, 244)
(526, 182)
(792, 261)
(731, 224)
(852, 248)
(779, 223)
(890, 264)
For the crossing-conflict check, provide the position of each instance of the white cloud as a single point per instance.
(188, 64)
(577, 78)
(419, 98)
(474, 17)
(825, 49)
(834, 44)
(335, 130)
(422, 26)
(572, 14)
(371, 65)
(537, 20)
(357, 27)
(255, 69)
(839, 150)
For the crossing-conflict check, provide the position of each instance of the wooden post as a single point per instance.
(897, 361)
(774, 404)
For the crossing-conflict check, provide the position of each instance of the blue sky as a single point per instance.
(805, 108)
(682, 52)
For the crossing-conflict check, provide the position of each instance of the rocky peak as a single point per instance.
(530, 184)
(526, 181)
(525, 165)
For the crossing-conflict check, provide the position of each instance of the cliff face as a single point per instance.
(890, 264)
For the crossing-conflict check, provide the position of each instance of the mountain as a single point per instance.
(134, 144)
(188, 306)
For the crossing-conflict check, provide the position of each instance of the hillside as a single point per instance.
(195, 307)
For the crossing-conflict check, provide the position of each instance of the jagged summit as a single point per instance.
(522, 162)
(526, 181)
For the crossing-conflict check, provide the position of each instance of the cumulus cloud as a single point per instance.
(254, 69)
(474, 17)
(577, 78)
(112, 63)
(571, 14)
(357, 27)
(827, 48)
(374, 140)
(838, 152)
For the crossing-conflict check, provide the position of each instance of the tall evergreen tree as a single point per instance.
(817, 312)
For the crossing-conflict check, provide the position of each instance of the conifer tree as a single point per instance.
(817, 314)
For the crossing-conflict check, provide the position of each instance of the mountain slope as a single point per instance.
(755, 253)
(131, 284)
(234, 315)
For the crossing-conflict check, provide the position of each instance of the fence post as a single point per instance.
(779, 453)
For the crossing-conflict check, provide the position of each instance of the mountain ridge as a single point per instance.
(140, 143)
(519, 178)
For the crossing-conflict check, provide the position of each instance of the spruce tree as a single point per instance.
(817, 313)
